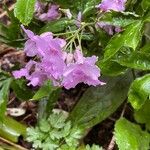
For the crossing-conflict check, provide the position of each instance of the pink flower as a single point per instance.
(41, 45)
(36, 45)
(24, 72)
(110, 29)
(39, 7)
(79, 20)
(50, 63)
(83, 70)
(52, 14)
(115, 5)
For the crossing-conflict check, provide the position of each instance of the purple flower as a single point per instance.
(54, 64)
(110, 29)
(24, 72)
(39, 7)
(38, 76)
(41, 45)
(83, 70)
(79, 20)
(36, 45)
(50, 63)
(115, 5)
(52, 14)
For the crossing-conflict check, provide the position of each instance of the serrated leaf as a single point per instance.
(44, 125)
(129, 136)
(129, 38)
(57, 120)
(49, 145)
(55, 134)
(136, 60)
(143, 115)
(24, 10)
(99, 102)
(139, 91)
(35, 134)
(93, 147)
(67, 128)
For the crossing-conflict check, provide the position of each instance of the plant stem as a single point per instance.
(112, 142)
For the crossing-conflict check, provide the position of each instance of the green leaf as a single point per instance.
(129, 38)
(145, 4)
(129, 136)
(136, 60)
(117, 21)
(56, 26)
(93, 147)
(20, 89)
(44, 125)
(4, 95)
(24, 10)
(57, 120)
(11, 129)
(44, 91)
(112, 68)
(99, 102)
(143, 115)
(139, 91)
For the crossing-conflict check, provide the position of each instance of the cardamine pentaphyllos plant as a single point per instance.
(102, 43)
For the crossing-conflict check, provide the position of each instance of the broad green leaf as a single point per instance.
(146, 48)
(117, 21)
(136, 60)
(4, 95)
(145, 4)
(24, 10)
(11, 129)
(143, 114)
(129, 38)
(99, 102)
(21, 90)
(79, 5)
(56, 26)
(44, 91)
(129, 136)
(112, 68)
(139, 91)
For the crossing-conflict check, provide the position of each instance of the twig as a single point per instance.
(12, 144)
(112, 142)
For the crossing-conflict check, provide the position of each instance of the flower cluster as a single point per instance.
(64, 69)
